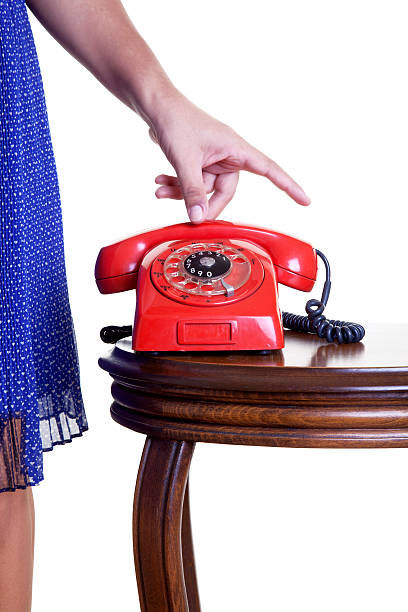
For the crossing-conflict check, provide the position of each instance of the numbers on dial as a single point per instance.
(200, 269)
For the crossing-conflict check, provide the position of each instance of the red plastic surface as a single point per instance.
(167, 320)
(160, 321)
(295, 260)
(206, 332)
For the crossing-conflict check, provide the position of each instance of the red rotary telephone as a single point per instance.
(214, 286)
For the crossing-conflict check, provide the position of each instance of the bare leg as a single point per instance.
(16, 550)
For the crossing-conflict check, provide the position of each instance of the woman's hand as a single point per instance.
(207, 156)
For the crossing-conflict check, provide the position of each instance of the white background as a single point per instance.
(321, 87)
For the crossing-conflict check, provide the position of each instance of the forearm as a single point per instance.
(206, 154)
(101, 36)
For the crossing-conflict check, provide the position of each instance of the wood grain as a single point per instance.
(190, 575)
(346, 400)
(157, 528)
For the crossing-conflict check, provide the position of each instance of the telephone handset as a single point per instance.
(214, 286)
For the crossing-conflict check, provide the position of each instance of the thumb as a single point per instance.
(194, 192)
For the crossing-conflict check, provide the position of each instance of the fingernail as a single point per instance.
(196, 213)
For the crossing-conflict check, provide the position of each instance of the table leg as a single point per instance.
(161, 529)
(190, 576)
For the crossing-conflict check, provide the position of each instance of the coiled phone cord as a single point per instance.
(316, 323)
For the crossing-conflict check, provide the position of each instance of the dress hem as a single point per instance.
(17, 487)
(62, 442)
(50, 448)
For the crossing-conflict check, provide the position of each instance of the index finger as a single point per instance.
(258, 163)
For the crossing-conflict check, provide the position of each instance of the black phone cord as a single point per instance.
(316, 323)
(112, 333)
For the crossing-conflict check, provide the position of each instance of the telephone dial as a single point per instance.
(214, 286)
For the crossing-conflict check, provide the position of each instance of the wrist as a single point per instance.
(155, 99)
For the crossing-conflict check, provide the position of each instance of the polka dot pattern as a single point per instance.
(40, 395)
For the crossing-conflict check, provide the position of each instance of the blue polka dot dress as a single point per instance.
(40, 396)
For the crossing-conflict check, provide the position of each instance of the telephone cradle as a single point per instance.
(214, 287)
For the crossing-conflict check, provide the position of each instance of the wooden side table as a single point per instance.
(310, 394)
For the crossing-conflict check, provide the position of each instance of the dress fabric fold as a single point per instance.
(41, 402)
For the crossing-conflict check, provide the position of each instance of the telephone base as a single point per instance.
(240, 333)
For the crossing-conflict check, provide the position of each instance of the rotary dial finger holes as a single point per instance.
(207, 269)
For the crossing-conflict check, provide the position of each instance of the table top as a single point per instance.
(306, 361)
(309, 394)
